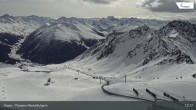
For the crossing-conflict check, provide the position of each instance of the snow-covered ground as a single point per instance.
(174, 79)
(65, 85)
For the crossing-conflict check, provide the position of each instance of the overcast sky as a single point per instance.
(95, 8)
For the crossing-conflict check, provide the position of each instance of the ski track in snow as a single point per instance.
(3, 92)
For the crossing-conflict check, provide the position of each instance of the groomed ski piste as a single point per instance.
(74, 81)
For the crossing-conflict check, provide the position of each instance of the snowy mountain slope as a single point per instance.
(22, 26)
(14, 29)
(6, 43)
(182, 35)
(175, 79)
(58, 42)
(142, 46)
(89, 28)
(162, 61)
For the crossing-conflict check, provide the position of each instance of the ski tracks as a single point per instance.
(3, 92)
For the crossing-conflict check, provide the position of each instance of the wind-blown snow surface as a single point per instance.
(17, 85)
(175, 80)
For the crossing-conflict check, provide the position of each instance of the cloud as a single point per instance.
(31, 1)
(163, 5)
(100, 1)
(104, 2)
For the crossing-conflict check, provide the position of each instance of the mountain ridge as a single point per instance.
(143, 45)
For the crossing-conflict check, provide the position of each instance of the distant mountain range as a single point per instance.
(134, 41)
(22, 26)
